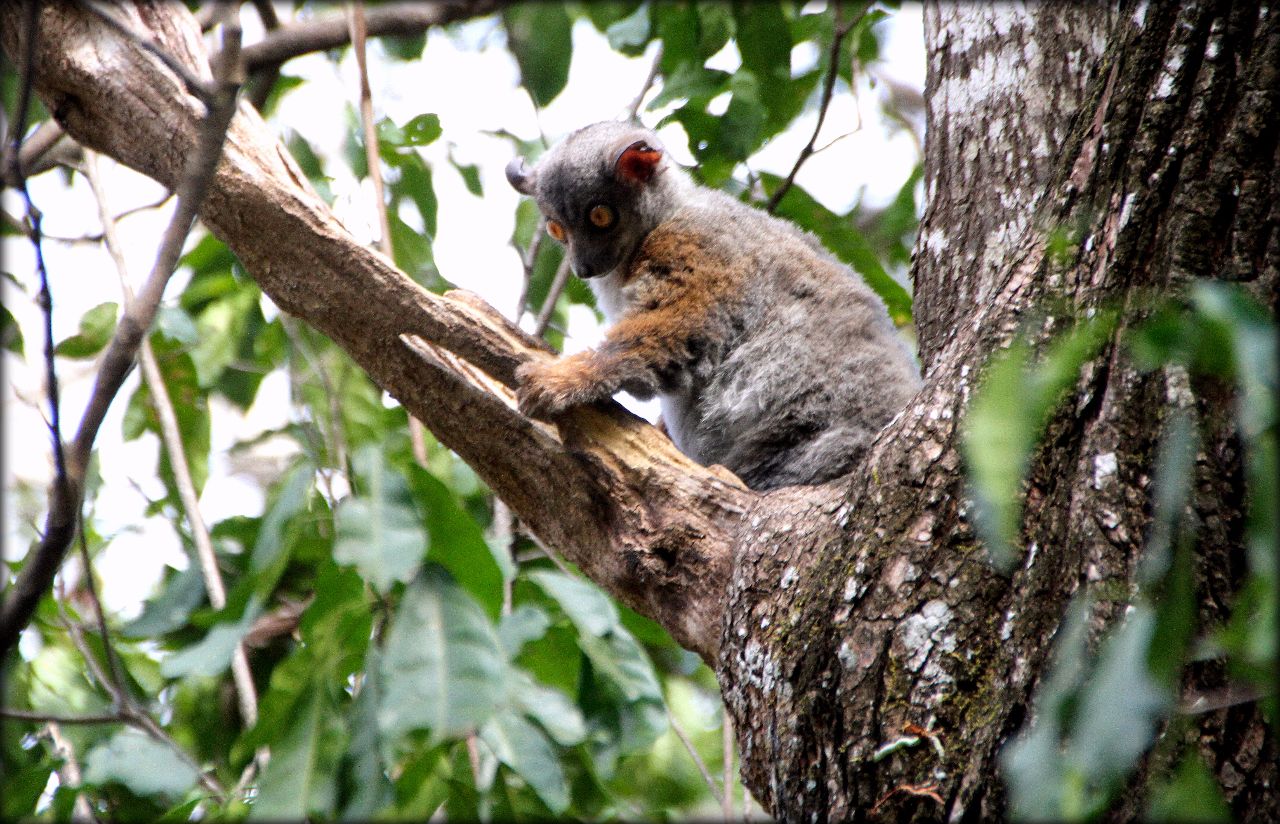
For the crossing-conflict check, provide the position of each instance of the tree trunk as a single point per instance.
(837, 616)
(857, 611)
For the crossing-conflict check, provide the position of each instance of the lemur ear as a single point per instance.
(519, 176)
(637, 163)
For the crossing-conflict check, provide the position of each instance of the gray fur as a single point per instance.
(790, 382)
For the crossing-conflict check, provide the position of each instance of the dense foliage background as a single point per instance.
(441, 657)
(410, 648)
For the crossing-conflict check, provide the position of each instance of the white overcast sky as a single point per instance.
(472, 83)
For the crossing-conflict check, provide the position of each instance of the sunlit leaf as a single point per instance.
(457, 542)
(144, 765)
(1190, 794)
(523, 748)
(538, 35)
(300, 779)
(212, 655)
(96, 328)
(443, 666)
(378, 530)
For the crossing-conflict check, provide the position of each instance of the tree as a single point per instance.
(969, 605)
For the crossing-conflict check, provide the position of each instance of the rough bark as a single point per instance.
(1150, 134)
(837, 615)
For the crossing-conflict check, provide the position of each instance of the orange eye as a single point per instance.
(556, 230)
(601, 216)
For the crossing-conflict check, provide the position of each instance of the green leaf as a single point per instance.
(444, 666)
(278, 531)
(550, 707)
(691, 82)
(539, 36)
(1120, 705)
(1010, 409)
(630, 34)
(142, 764)
(405, 46)
(742, 125)
(379, 530)
(838, 234)
(300, 779)
(588, 608)
(457, 542)
(10, 332)
(1033, 763)
(96, 328)
(171, 609)
(23, 787)
(413, 253)
(370, 791)
(522, 747)
(422, 130)
(1190, 794)
(212, 656)
(470, 176)
(424, 784)
(522, 625)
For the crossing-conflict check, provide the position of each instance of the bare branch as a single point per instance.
(828, 87)
(331, 31)
(633, 110)
(70, 770)
(45, 718)
(171, 436)
(678, 729)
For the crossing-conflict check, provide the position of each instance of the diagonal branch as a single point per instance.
(331, 31)
(606, 489)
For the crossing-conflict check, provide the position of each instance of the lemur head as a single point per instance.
(602, 189)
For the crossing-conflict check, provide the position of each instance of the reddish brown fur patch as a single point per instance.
(678, 281)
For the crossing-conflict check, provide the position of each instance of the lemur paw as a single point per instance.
(547, 388)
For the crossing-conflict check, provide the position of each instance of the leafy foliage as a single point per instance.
(432, 666)
(1098, 711)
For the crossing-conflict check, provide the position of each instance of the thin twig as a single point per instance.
(43, 717)
(171, 436)
(501, 534)
(726, 744)
(356, 22)
(60, 525)
(697, 759)
(828, 88)
(528, 257)
(70, 770)
(553, 295)
(265, 79)
(359, 37)
(97, 237)
(633, 111)
(331, 31)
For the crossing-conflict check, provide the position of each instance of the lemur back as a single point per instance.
(769, 356)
